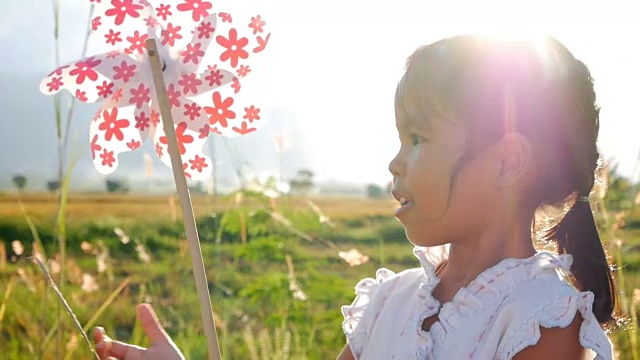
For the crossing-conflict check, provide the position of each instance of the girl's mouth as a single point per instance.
(405, 203)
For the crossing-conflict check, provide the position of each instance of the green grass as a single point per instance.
(257, 314)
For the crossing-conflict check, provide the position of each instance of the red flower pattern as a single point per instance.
(85, 69)
(257, 24)
(189, 83)
(55, 84)
(181, 137)
(236, 85)
(112, 126)
(142, 121)
(215, 77)
(125, 71)
(117, 95)
(220, 113)
(107, 158)
(113, 37)
(243, 70)
(193, 53)
(198, 8)
(137, 42)
(204, 132)
(174, 96)
(95, 23)
(159, 150)
(140, 96)
(151, 22)
(226, 17)
(251, 113)
(81, 95)
(262, 43)
(243, 129)
(171, 34)
(122, 9)
(133, 144)
(155, 118)
(192, 111)
(205, 29)
(163, 11)
(198, 163)
(234, 47)
(105, 89)
(95, 147)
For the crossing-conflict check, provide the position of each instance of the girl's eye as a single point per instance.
(416, 139)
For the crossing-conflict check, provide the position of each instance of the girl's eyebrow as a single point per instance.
(418, 124)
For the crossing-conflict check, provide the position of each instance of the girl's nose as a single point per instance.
(397, 166)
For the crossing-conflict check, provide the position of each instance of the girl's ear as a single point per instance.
(515, 161)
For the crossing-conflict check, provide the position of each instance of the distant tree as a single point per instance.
(197, 188)
(116, 186)
(303, 183)
(20, 181)
(389, 187)
(375, 191)
(53, 185)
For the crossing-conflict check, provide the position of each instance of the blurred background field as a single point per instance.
(279, 268)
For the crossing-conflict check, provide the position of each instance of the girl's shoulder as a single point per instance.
(548, 300)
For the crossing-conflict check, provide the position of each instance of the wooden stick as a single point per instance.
(206, 310)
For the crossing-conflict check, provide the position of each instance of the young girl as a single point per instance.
(492, 132)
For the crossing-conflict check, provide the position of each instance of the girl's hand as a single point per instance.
(162, 347)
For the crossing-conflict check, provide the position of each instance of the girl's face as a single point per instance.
(435, 209)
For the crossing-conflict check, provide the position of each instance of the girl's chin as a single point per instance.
(421, 236)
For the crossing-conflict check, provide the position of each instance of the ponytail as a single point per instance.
(577, 234)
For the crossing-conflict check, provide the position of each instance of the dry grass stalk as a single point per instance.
(66, 305)
(23, 276)
(324, 219)
(172, 206)
(293, 284)
(7, 293)
(3, 256)
(250, 340)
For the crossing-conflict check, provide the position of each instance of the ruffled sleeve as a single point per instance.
(360, 316)
(556, 312)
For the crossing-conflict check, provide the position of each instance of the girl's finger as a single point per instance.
(103, 343)
(151, 325)
(126, 351)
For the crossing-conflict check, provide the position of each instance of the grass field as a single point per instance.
(277, 282)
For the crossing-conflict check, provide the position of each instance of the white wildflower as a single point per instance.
(124, 238)
(17, 247)
(89, 283)
(353, 257)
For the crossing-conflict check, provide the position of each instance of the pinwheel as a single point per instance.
(204, 92)
(191, 82)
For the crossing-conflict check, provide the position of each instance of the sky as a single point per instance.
(331, 73)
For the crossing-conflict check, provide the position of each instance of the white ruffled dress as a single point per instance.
(496, 316)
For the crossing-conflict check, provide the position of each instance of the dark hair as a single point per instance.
(469, 78)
